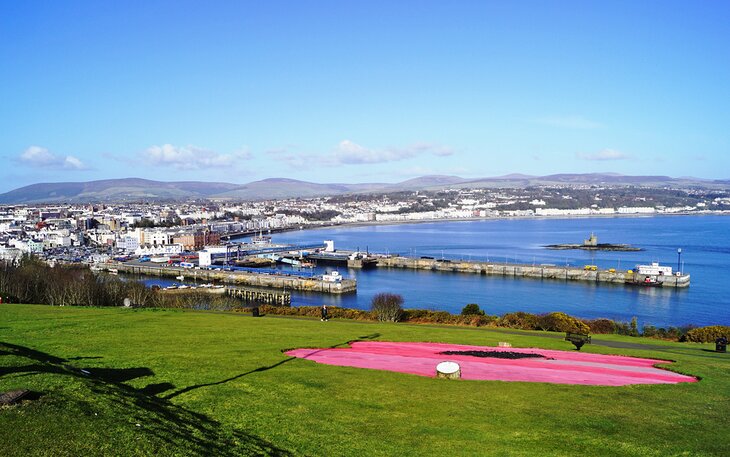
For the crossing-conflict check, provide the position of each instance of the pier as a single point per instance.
(244, 278)
(532, 271)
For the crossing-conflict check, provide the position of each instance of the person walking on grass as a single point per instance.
(324, 313)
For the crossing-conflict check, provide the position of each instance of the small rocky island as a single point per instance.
(592, 244)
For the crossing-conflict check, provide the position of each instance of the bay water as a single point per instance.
(704, 241)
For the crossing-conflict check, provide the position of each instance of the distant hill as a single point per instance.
(113, 190)
(273, 188)
(135, 189)
(424, 182)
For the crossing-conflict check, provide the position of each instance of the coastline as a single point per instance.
(330, 225)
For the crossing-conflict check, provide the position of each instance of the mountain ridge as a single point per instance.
(136, 189)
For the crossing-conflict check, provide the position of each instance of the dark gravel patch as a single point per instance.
(496, 354)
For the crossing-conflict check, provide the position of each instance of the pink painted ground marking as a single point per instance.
(560, 367)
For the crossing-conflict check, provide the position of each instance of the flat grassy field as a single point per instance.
(171, 382)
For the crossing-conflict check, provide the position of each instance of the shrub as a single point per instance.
(634, 327)
(311, 311)
(601, 326)
(561, 322)
(707, 334)
(622, 328)
(472, 309)
(424, 316)
(520, 320)
(671, 333)
(482, 320)
(650, 331)
(387, 307)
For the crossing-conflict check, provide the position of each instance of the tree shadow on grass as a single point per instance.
(183, 430)
(372, 336)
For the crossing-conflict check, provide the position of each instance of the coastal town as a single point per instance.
(94, 233)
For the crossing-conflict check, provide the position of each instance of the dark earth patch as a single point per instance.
(496, 354)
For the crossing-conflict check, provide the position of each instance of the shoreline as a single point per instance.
(330, 225)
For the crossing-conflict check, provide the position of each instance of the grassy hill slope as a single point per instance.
(190, 383)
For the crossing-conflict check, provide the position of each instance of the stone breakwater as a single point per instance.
(270, 281)
(552, 272)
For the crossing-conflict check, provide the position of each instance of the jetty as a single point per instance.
(244, 278)
(553, 272)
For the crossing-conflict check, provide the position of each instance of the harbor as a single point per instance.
(502, 265)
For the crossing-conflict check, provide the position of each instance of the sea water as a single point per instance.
(704, 241)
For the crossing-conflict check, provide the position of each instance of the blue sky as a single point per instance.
(361, 91)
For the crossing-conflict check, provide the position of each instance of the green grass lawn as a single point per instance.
(167, 382)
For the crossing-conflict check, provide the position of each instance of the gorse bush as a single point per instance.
(561, 322)
(708, 334)
(520, 320)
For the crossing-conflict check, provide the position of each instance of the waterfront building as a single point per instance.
(159, 249)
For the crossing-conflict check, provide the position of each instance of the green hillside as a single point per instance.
(164, 382)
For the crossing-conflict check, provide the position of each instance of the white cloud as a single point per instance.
(191, 157)
(570, 122)
(606, 154)
(38, 156)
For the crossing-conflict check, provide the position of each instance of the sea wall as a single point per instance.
(283, 281)
(527, 271)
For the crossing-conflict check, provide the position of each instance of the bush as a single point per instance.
(520, 320)
(472, 309)
(424, 316)
(650, 331)
(634, 327)
(561, 322)
(311, 311)
(481, 320)
(387, 307)
(601, 326)
(671, 333)
(707, 334)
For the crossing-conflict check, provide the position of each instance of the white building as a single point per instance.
(562, 212)
(159, 249)
(205, 257)
(157, 238)
(654, 269)
(128, 243)
(636, 210)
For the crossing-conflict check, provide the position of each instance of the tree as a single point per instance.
(472, 309)
(387, 307)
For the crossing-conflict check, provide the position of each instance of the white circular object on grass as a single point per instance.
(450, 370)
